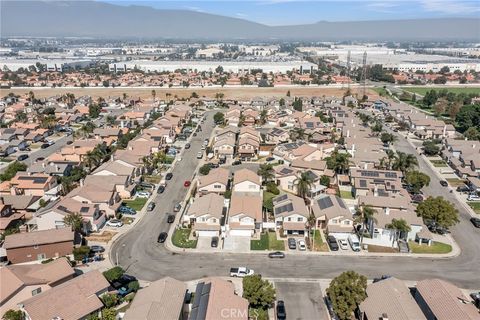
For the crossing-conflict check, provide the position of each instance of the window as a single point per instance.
(217, 186)
(289, 219)
(36, 291)
(300, 219)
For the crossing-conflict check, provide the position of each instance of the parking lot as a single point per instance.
(303, 301)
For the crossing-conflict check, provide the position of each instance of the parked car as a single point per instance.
(276, 254)
(187, 146)
(236, 163)
(123, 281)
(123, 291)
(151, 206)
(114, 223)
(177, 207)
(199, 155)
(332, 243)
(171, 218)
(241, 272)
(187, 183)
(22, 157)
(161, 189)
(69, 142)
(281, 312)
(97, 249)
(416, 198)
(473, 197)
(292, 244)
(162, 237)
(383, 277)
(328, 303)
(443, 183)
(463, 189)
(354, 242)
(127, 210)
(50, 142)
(343, 244)
(142, 194)
(44, 146)
(39, 159)
(475, 221)
(213, 165)
(169, 176)
(302, 245)
(214, 242)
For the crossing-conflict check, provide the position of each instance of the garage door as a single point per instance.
(207, 233)
(244, 233)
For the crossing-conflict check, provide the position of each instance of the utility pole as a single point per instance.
(364, 73)
(348, 69)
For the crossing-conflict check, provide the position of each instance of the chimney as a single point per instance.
(57, 168)
(23, 228)
(43, 165)
(387, 211)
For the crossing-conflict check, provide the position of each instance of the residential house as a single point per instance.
(20, 282)
(245, 180)
(75, 299)
(441, 300)
(8, 218)
(277, 135)
(291, 214)
(215, 298)
(216, 181)
(375, 182)
(245, 214)
(38, 245)
(232, 116)
(224, 147)
(58, 169)
(162, 299)
(34, 185)
(205, 215)
(332, 214)
(390, 299)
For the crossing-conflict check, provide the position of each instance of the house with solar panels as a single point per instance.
(290, 214)
(332, 214)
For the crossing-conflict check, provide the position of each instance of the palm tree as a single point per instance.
(74, 220)
(263, 116)
(124, 95)
(304, 184)
(404, 162)
(154, 94)
(266, 172)
(398, 226)
(365, 214)
(297, 134)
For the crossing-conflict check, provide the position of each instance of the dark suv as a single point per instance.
(292, 244)
(281, 312)
(332, 243)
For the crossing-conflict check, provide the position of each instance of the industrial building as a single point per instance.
(50, 65)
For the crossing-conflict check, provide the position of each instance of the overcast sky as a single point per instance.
(287, 12)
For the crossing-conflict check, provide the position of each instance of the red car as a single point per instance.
(187, 184)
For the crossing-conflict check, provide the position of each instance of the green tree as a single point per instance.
(417, 180)
(109, 299)
(468, 117)
(80, 252)
(303, 184)
(259, 293)
(377, 128)
(266, 171)
(430, 98)
(386, 137)
(400, 226)
(472, 134)
(94, 110)
(13, 315)
(113, 273)
(219, 118)
(134, 286)
(364, 214)
(338, 161)
(439, 210)
(12, 170)
(430, 148)
(346, 292)
(74, 220)
(272, 188)
(204, 170)
(325, 180)
(154, 94)
(404, 162)
(109, 314)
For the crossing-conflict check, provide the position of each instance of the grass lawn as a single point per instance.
(7, 160)
(318, 243)
(423, 90)
(475, 206)
(381, 91)
(180, 239)
(346, 194)
(268, 241)
(259, 314)
(372, 248)
(152, 179)
(439, 163)
(136, 204)
(436, 247)
(454, 182)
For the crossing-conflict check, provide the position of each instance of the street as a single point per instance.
(140, 254)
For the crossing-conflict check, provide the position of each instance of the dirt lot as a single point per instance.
(105, 236)
(230, 92)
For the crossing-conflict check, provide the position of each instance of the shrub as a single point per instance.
(80, 252)
(113, 274)
(272, 188)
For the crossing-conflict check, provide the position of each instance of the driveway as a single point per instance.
(205, 244)
(303, 301)
(236, 244)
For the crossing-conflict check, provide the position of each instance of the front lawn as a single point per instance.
(454, 182)
(180, 239)
(381, 249)
(136, 204)
(475, 206)
(439, 163)
(436, 247)
(318, 244)
(346, 194)
(268, 241)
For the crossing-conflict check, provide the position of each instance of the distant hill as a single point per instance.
(103, 20)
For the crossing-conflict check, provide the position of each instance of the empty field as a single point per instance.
(423, 90)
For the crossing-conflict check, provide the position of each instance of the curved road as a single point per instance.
(140, 254)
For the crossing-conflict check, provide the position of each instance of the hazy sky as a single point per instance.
(284, 12)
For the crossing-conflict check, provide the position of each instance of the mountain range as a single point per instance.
(103, 20)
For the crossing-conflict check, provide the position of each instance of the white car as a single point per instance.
(343, 244)
(199, 155)
(142, 194)
(473, 197)
(301, 245)
(114, 223)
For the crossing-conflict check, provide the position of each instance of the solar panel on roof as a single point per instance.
(325, 203)
(391, 174)
(84, 209)
(281, 198)
(363, 183)
(64, 209)
(341, 203)
(285, 208)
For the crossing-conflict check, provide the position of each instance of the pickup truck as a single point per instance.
(241, 272)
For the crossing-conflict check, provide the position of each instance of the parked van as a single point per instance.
(354, 242)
